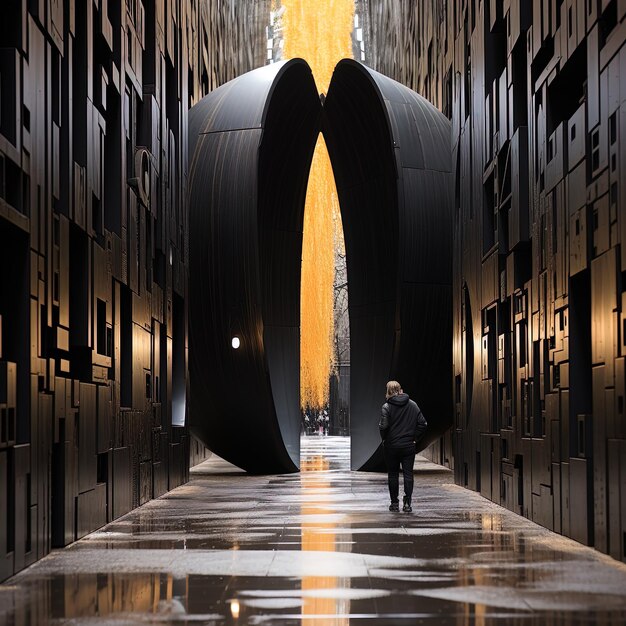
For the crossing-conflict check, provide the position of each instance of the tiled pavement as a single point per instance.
(319, 547)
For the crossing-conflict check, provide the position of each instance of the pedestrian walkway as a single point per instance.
(319, 547)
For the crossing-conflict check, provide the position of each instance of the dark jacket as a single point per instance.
(401, 422)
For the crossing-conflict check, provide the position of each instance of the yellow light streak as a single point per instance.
(318, 31)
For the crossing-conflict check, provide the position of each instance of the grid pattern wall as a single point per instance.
(93, 252)
(536, 91)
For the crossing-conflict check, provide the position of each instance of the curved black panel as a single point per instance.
(251, 145)
(390, 151)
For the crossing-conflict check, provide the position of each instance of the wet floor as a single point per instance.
(319, 547)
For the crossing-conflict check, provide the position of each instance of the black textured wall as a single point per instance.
(93, 252)
(536, 91)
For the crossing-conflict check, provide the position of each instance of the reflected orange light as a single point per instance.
(318, 536)
(234, 608)
(315, 464)
(319, 32)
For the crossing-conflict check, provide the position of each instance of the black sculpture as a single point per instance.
(251, 144)
(390, 152)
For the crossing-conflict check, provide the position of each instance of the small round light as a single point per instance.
(234, 608)
(235, 342)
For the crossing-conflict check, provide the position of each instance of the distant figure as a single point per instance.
(401, 426)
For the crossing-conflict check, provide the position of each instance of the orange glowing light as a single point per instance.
(320, 33)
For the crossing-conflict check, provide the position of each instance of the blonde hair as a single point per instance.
(393, 388)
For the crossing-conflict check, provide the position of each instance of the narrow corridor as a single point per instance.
(319, 547)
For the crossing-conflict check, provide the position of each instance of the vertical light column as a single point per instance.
(319, 32)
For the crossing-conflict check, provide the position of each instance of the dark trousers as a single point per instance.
(396, 457)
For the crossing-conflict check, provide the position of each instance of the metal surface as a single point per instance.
(390, 151)
(536, 92)
(93, 252)
(251, 143)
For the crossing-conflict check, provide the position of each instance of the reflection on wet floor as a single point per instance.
(321, 595)
(319, 547)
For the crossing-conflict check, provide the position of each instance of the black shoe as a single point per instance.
(394, 506)
(406, 507)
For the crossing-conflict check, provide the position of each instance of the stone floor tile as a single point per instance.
(319, 547)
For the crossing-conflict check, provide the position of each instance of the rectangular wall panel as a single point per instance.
(538, 111)
(90, 260)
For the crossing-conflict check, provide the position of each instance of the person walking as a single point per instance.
(402, 424)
